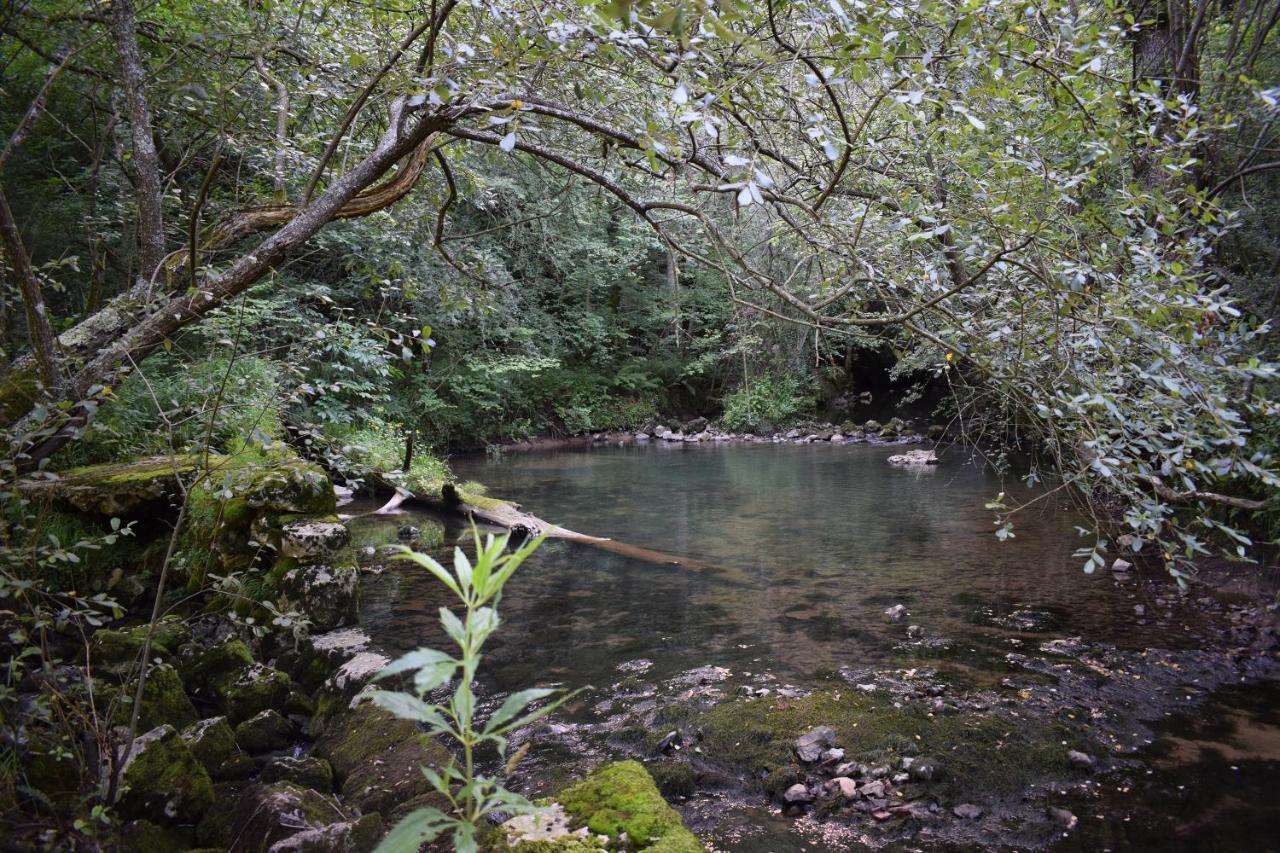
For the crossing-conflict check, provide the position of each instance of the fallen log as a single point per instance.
(447, 499)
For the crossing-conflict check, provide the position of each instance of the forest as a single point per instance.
(300, 299)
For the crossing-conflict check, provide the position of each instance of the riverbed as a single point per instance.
(797, 553)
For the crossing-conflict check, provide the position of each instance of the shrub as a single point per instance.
(766, 403)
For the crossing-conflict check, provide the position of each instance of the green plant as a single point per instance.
(470, 796)
(765, 403)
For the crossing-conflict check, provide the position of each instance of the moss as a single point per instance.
(210, 669)
(17, 393)
(163, 780)
(673, 778)
(621, 797)
(211, 741)
(984, 752)
(164, 700)
(143, 836)
(257, 689)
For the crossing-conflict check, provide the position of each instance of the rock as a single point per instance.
(1121, 567)
(256, 689)
(1139, 610)
(851, 768)
(348, 836)
(305, 771)
(695, 425)
(118, 489)
(408, 531)
(164, 700)
(914, 457)
(809, 747)
(797, 793)
(268, 814)
(871, 427)
(967, 811)
(265, 731)
(238, 767)
(341, 691)
(327, 594)
(546, 827)
(842, 786)
(620, 800)
(897, 613)
(376, 758)
(162, 781)
(833, 755)
(211, 741)
(874, 789)
(209, 669)
(310, 540)
(925, 770)
(915, 632)
(673, 778)
(1080, 759)
(671, 742)
(1062, 818)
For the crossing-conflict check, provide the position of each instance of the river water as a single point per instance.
(799, 550)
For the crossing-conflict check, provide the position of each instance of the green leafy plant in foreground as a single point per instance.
(471, 796)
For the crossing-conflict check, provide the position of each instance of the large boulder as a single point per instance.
(306, 541)
(118, 489)
(164, 700)
(376, 759)
(162, 781)
(211, 741)
(256, 689)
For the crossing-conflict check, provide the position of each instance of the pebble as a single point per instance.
(897, 613)
(968, 811)
(1080, 759)
(1063, 818)
(842, 785)
(797, 793)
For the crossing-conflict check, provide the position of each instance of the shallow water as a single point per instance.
(801, 549)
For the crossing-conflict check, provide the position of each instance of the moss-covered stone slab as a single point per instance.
(267, 815)
(211, 741)
(328, 594)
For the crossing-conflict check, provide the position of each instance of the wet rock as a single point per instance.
(809, 747)
(265, 731)
(162, 781)
(304, 771)
(1062, 817)
(1080, 759)
(327, 594)
(967, 811)
(897, 613)
(311, 540)
(211, 741)
(797, 794)
(914, 458)
(1121, 567)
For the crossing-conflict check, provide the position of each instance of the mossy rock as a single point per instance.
(376, 758)
(329, 594)
(209, 669)
(268, 814)
(164, 700)
(265, 731)
(307, 771)
(673, 778)
(163, 781)
(622, 797)
(256, 689)
(117, 650)
(211, 741)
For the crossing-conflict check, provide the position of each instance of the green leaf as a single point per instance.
(514, 704)
(417, 828)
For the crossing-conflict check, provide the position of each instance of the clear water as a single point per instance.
(801, 550)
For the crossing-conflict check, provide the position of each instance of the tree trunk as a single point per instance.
(146, 161)
(38, 329)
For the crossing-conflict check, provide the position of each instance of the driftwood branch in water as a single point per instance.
(510, 517)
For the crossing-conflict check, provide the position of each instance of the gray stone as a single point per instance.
(914, 457)
(797, 793)
(968, 811)
(925, 770)
(873, 789)
(810, 747)
(306, 771)
(327, 594)
(915, 632)
(897, 613)
(310, 540)
(1062, 817)
(1121, 567)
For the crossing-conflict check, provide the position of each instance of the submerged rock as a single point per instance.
(914, 457)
